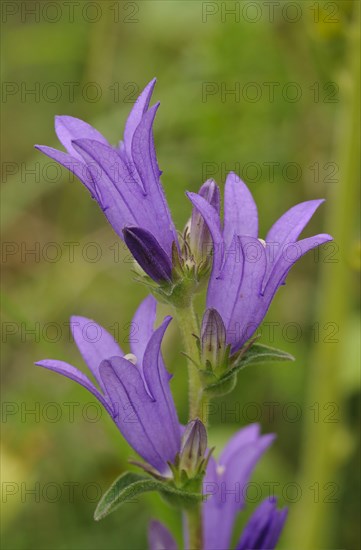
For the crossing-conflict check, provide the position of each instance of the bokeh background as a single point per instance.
(90, 60)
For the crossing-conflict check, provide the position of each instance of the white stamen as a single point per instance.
(220, 469)
(263, 243)
(131, 358)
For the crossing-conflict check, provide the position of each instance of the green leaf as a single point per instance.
(129, 485)
(258, 353)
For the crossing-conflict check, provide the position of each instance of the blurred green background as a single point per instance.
(90, 60)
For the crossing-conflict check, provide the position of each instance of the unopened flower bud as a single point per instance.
(199, 236)
(194, 446)
(213, 339)
(148, 253)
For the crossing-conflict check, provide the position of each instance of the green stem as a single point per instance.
(197, 408)
(188, 326)
(195, 530)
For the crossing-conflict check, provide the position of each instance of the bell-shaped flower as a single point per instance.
(124, 180)
(225, 482)
(133, 388)
(247, 271)
(264, 527)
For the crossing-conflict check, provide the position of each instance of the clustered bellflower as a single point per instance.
(247, 271)
(124, 180)
(225, 483)
(133, 388)
(243, 272)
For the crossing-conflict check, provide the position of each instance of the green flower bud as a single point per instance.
(194, 446)
(213, 340)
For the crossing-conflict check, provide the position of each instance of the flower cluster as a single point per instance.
(242, 273)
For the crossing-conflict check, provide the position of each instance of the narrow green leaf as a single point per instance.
(257, 353)
(130, 484)
(260, 353)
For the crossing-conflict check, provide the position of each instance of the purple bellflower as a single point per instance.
(261, 532)
(264, 527)
(125, 182)
(133, 388)
(247, 271)
(225, 481)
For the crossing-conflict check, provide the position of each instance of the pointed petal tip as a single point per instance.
(234, 176)
(167, 320)
(78, 318)
(149, 300)
(44, 149)
(268, 439)
(326, 237)
(151, 84)
(153, 109)
(60, 118)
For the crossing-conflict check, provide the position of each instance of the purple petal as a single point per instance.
(287, 229)
(240, 210)
(249, 307)
(275, 529)
(159, 538)
(211, 217)
(263, 528)
(94, 343)
(69, 128)
(148, 253)
(223, 287)
(143, 327)
(145, 162)
(236, 292)
(199, 235)
(219, 510)
(74, 374)
(136, 115)
(114, 175)
(121, 196)
(289, 256)
(157, 380)
(140, 419)
(76, 166)
(211, 193)
(243, 437)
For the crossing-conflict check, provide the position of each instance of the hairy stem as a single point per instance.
(188, 326)
(194, 527)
